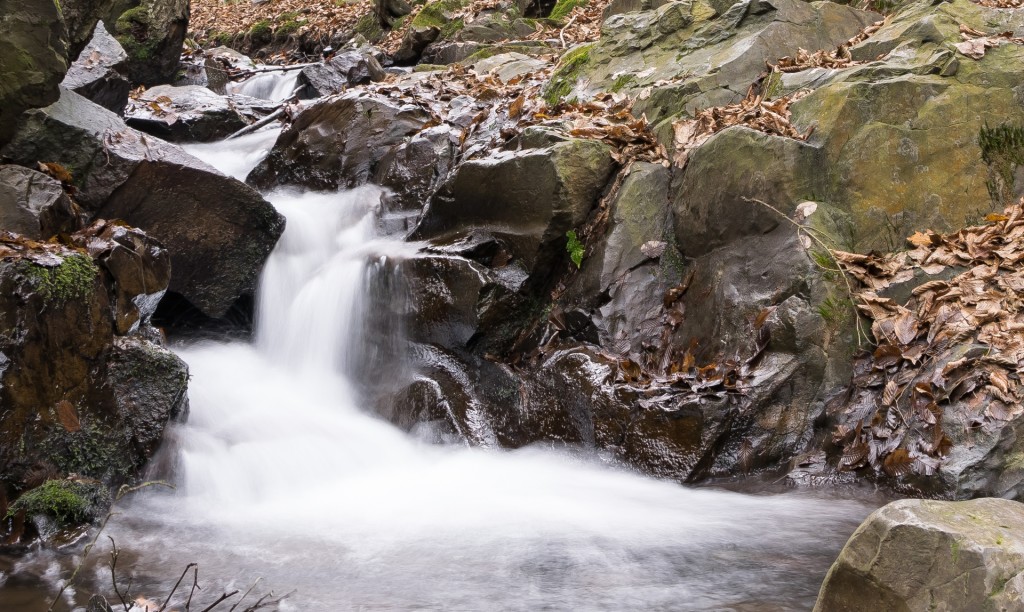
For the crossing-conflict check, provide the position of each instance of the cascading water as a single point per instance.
(274, 86)
(281, 475)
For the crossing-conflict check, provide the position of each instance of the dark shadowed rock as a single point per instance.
(79, 397)
(342, 71)
(338, 142)
(35, 205)
(930, 555)
(219, 231)
(97, 74)
(33, 58)
(153, 33)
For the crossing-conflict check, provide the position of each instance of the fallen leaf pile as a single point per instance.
(484, 112)
(319, 19)
(954, 349)
(46, 254)
(839, 58)
(1001, 4)
(975, 42)
(770, 117)
(582, 24)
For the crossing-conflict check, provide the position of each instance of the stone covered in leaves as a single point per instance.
(937, 404)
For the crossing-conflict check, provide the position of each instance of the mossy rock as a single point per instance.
(71, 279)
(569, 69)
(66, 502)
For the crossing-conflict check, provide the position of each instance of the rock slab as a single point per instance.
(931, 556)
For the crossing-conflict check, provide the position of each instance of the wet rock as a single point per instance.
(417, 38)
(218, 230)
(338, 142)
(97, 73)
(342, 71)
(35, 205)
(139, 266)
(528, 199)
(931, 555)
(79, 397)
(153, 33)
(191, 113)
(415, 169)
(33, 58)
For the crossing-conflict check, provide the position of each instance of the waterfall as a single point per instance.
(282, 475)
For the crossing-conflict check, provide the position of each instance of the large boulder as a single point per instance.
(153, 33)
(97, 74)
(338, 142)
(85, 390)
(219, 231)
(894, 162)
(337, 74)
(191, 113)
(692, 54)
(35, 205)
(926, 555)
(33, 58)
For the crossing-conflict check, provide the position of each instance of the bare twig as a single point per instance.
(176, 584)
(242, 598)
(808, 231)
(220, 601)
(561, 33)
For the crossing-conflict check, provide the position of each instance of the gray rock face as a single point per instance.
(97, 73)
(219, 231)
(191, 113)
(927, 555)
(33, 204)
(338, 142)
(342, 71)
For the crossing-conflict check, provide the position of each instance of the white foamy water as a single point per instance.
(282, 475)
(274, 86)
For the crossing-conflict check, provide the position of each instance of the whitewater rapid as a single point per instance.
(281, 474)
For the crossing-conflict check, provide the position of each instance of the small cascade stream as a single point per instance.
(282, 475)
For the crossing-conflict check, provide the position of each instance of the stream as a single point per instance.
(281, 476)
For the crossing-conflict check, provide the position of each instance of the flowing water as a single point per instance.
(281, 475)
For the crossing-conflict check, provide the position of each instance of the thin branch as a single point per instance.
(176, 584)
(220, 601)
(195, 587)
(242, 598)
(561, 33)
(828, 251)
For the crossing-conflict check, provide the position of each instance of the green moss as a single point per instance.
(622, 82)
(566, 73)
(564, 7)
(72, 279)
(428, 67)
(436, 15)
(66, 501)
(1002, 148)
(482, 54)
(286, 28)
(370, 28)
(132, 31)
(89, 452)
(261, 33)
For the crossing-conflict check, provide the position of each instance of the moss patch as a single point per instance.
(72, 279)
(568, 71)
(436, 15)
(89, 452)
(369, 28)
(564, 7)
(261, 33)
(1002, 149)
(132, 29)
(66, 501)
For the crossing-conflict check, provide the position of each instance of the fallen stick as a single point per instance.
(252, 127)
